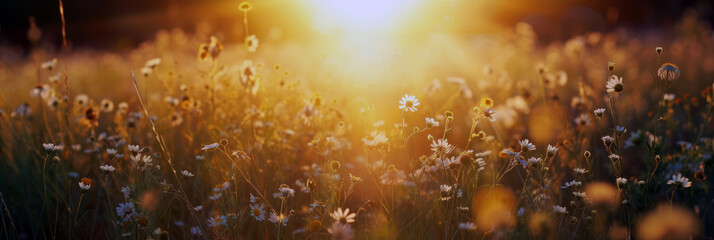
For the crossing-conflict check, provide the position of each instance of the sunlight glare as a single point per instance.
(360, 16)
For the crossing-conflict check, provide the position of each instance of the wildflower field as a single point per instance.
(261, 133)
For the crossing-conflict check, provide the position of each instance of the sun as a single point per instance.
(361, 16)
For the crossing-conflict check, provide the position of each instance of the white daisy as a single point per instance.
(142, 162)
(127, 190)
(430, 123)
(343, 217)
(441, 145)
(258, 211)
(215, 196)
(186, 173)
(409, 103)
(560, 209)
(481, 164)
(111, 151)
(679, 181)
(107, 168)
(572, 183)
(51, 147)
(133, 148)
(341, 231)
(217, 221)
(526, 145)
(446, 162)
(621, 182)
(580, 194)
(534, 160)
(126, 210)
(469, 226)
(615, 84)
(552, 150)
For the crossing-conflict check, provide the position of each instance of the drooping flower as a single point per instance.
(598, 112)
(607, 140)
(668, 71)
(284, 191)
(489, 114)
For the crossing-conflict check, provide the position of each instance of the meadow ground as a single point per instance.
(607, 135)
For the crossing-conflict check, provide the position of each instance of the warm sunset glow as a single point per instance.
(361, 17)
(356, 119)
